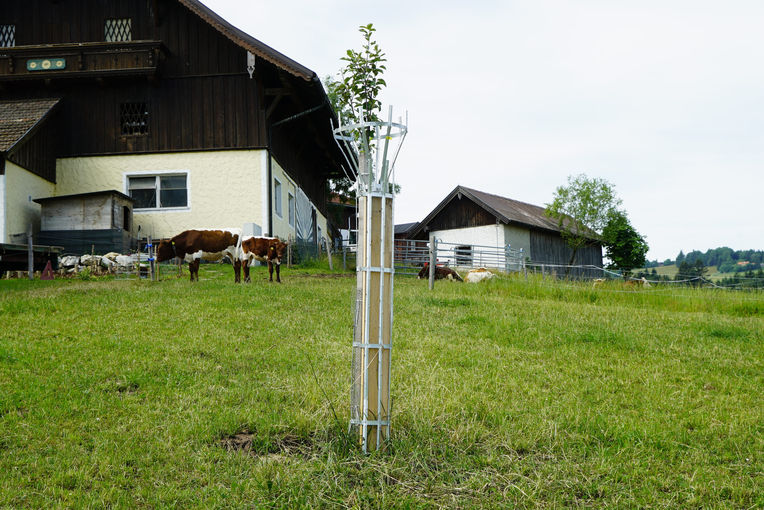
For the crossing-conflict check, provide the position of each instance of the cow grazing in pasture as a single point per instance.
(441, 273)
(264, 249)
(636, 283)
(193, 246)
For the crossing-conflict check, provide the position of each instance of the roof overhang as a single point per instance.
(19, 119)
(248, 42)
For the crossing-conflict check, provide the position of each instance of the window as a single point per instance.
(134, 119)
(118, 29)
(277, 196)
(463, 255)
(7, 36)
(291, 205)
(158, 191)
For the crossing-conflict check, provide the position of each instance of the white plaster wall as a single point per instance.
(20, 188)
(486, 235)
(224, 187)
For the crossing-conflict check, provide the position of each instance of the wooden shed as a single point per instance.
(471, 217)
(100, 221)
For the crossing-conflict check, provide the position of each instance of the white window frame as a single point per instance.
(291, 206)
(277, 201)
(163, 173)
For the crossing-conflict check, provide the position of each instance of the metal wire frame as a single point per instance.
(373, 172)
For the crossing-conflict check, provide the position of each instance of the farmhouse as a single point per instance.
(469, 217)
(165, 102)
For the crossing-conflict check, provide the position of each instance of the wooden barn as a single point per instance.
(163, 101)
(470, 217)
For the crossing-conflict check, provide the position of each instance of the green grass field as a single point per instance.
(510, 393)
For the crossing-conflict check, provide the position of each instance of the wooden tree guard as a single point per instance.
(372, 343)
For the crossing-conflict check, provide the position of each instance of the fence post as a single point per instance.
(344, 258)
(433, 258)
(30, 252)
(150, 249)
(329, 253)
(543, 273)
(507, 253)
(522, 262)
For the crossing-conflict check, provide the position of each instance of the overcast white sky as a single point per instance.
(664, 99)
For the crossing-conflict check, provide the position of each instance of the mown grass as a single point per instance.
(508, 393)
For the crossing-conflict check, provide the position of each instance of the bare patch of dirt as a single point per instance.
(286, 445)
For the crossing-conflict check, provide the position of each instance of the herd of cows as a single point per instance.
(193, 246)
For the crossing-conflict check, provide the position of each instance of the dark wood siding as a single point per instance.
(551, 248)
(70, 21)
(184, 114)
(461, 213)
(201, 99)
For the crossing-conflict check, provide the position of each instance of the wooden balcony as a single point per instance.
(94, 59)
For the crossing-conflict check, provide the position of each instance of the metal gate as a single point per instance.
(411, 255)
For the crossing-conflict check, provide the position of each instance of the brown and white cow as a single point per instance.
(441, 273)
(264, 249)
(193, 246)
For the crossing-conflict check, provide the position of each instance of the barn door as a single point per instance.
(306, 219)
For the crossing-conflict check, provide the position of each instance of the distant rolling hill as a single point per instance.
(672, 270)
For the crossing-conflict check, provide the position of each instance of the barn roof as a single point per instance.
(19, 118)
(506, 210)
(404, 228)
(248, 42)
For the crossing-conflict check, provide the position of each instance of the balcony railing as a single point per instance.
(96, 59)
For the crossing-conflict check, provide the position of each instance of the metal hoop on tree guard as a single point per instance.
(376, 145)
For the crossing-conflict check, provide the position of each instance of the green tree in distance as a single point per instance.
(582, 210)
(624, 246)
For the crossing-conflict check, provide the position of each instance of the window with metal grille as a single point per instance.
(7, 36)
(158, 191)
(277, 196)
(134, 118)
(463, 255)
(118, 29)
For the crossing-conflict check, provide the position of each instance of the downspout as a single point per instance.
(3, 193)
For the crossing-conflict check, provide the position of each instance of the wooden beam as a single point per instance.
(273, 106)
(278, 91)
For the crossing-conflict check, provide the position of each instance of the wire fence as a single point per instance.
(410, 256)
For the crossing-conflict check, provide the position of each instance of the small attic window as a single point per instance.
(134, 119)
(118, 29)
(7, 36)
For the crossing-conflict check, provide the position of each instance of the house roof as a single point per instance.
(504, 209)
(19, 118)
(248, 42)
